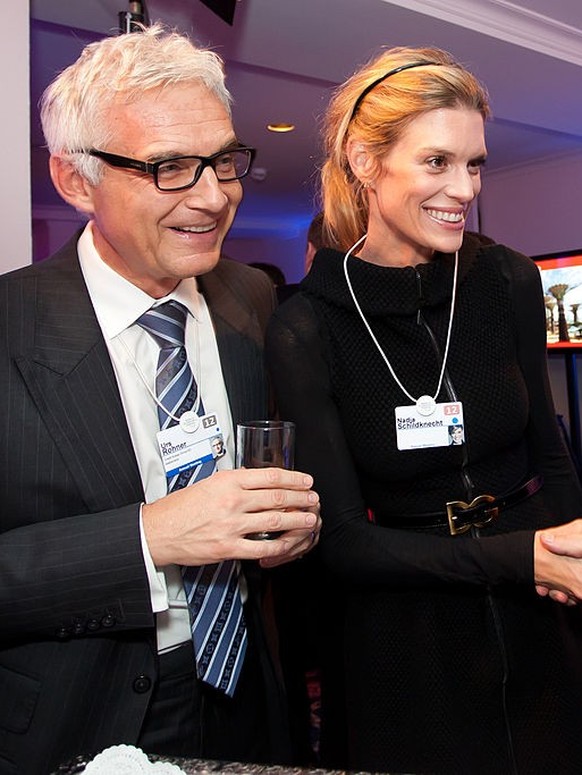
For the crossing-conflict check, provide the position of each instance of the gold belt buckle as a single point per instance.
(459, 506)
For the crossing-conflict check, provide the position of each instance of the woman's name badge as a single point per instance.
(416, 428)
(182, 449)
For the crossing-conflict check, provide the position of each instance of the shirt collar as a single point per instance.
(118, 303)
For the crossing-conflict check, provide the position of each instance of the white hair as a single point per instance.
(73, 106)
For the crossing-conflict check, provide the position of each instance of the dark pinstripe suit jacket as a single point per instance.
(77, 636)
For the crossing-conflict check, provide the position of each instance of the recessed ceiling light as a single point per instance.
(280, 127)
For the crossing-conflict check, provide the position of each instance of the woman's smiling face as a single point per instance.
(418, 203)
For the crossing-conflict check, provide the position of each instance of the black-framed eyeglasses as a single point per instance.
(181, 172)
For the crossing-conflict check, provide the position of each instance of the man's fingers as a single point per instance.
(278, 499)
(300, 542)
(279, 521)
(269, 478)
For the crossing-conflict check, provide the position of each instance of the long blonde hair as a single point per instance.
(379, 120)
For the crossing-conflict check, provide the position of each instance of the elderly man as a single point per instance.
(129, 602)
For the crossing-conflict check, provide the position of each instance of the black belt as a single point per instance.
(460, 516)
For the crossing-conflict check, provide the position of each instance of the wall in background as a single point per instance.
(285, 251)
(52, 227)
(537, 209)
(14, 139)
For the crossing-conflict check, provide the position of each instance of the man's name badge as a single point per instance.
(182, 449)
(443, 426)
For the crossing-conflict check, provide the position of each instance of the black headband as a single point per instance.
(375, 83)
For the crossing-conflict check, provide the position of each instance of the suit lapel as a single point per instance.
(240, 344)
(67, 369)
(65, 364)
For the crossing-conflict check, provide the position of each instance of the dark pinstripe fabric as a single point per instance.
(76, 628)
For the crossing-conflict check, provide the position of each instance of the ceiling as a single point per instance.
(283, 58)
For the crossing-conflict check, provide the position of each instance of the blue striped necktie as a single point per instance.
(213, 592)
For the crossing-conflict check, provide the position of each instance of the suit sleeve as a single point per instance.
(73, 577)
(71, 563)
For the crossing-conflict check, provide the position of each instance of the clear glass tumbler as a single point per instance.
(265, 444)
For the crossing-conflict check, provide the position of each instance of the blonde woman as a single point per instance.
(453, 663)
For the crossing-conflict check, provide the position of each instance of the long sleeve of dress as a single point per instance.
(356, 549)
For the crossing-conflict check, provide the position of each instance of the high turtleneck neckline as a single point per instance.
(382, 290)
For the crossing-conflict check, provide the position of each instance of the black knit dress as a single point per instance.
(453, 664)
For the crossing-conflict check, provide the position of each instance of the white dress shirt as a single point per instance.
(134, 355)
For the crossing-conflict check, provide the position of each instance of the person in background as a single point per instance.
(130, 602)
(453, 664)
(315, 240)
(274, 272)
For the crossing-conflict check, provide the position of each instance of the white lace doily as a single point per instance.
(128, 760)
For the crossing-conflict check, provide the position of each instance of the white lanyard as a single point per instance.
(190, 419)
(425, 404)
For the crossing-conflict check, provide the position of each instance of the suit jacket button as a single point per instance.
(108, 620)
(93, 625)
(78, 628)
(63, 633)
(142, 684)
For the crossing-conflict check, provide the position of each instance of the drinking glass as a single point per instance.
(265, 444)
